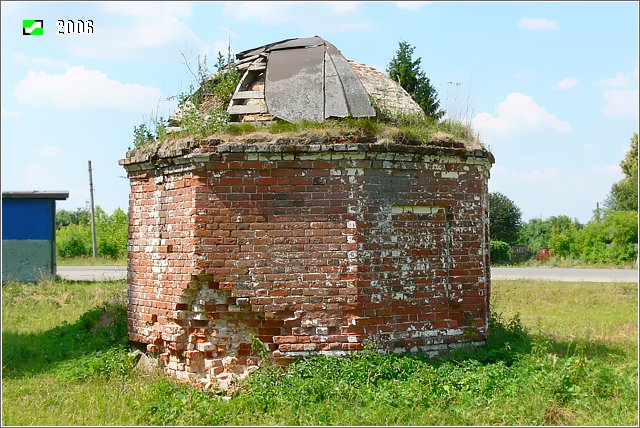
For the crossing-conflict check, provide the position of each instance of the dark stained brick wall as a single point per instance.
(312, 248)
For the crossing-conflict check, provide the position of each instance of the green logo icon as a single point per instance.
(32, 27)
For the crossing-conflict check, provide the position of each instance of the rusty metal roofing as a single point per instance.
(304, 79)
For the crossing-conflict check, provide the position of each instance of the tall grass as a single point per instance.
(558, 354)
(409, 129)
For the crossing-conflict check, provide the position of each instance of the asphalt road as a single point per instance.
(92, 273)
(102, 273)
(565, 274)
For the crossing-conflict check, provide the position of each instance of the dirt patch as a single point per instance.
(559, 416)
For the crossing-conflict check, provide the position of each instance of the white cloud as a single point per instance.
(143, 9)
(9, 114)
(344, 7)
(544, 175)
(537, 24)
(620, 103)
(150, 25)
(412, 5)
(518, 113)
(567, 83)
(311, 17)
(82, 88)
(619, 80)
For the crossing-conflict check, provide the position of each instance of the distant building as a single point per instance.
(29, 234)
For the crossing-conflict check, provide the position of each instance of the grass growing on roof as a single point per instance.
(406, 130)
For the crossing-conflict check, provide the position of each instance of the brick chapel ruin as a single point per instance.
(314, 244)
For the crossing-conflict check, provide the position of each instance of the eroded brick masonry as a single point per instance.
(312, 247)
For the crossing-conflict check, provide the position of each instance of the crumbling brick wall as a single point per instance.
(312, 247)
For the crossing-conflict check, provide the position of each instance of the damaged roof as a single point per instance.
(304, 79)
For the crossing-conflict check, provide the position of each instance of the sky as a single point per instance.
(550, 87)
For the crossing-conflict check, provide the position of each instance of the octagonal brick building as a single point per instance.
(310, 242)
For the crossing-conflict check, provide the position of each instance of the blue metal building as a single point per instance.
(29, 234)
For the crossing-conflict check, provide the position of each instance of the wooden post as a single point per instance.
(93, 216)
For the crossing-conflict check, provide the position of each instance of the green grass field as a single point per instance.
(90, 261)
(558, 354)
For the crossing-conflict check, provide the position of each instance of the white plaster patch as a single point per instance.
(450, 174)
(415, 209)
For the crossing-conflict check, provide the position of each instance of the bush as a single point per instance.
(562, 242)
(610, 240)
(112, 234)
(538, 233)
(74, 240)
(499, 252)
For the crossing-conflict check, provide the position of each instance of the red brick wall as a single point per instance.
(310, 248)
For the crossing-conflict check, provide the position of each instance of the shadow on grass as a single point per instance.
(508, 339)
(99, 329)
(105, 327)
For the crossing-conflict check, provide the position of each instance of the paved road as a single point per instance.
(101, 273)
(563, 274)
(92, 273)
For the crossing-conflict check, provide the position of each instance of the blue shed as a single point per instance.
(29, 234)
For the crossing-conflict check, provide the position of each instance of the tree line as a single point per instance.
(73, 233)
(610, 237)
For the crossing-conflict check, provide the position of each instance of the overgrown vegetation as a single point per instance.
(610, 241)
(73, 233)
(202, 109)
(548, 361)
(407, 129)
(499, 252)
(610, 238)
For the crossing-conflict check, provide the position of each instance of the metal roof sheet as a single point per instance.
(309, 79)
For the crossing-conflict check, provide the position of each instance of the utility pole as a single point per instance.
(93, 215)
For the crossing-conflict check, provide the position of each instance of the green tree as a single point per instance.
(499, 252)
(64, 217)
(624, 193)
(112, 233)
(73, 239)
(406, 71)
(546, 233)
(612, 240)
(535, 234)
(505, 218)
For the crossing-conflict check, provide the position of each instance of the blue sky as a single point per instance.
(551, 87)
